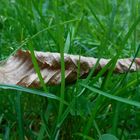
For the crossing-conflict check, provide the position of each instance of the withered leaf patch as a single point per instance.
(19, 69)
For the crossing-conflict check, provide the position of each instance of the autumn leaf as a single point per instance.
(19, 69)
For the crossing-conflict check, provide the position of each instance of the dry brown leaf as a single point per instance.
(19, 70)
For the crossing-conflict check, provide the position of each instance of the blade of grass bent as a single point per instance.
(117, 98)
(31, 91)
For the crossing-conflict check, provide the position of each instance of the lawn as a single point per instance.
(100, 107)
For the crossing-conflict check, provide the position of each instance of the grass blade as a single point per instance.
(19, 116)
(37, 69)
(117, 98)
(31, 91)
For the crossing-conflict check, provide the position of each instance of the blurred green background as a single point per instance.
(97, 28)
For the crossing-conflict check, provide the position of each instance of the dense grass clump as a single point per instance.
(99, 107)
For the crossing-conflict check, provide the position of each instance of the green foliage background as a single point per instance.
(91, 107)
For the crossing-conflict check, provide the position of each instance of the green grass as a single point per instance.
(100, 107)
